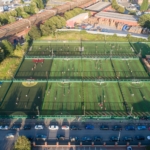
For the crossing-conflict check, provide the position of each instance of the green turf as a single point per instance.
(137, 95)
(3, 89)
(90, 48)
(16, 99)
(129, 68)
(63, 96)
(107, 94)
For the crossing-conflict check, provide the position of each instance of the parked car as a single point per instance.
(65, 127)
(114, 139)
(149, 128)
(41, 137)
(4, 127)
(30, 138)
(9, 135)
(139, 137)
(15, 127)
(141, 127)
(104, 127)
(129, 148)
(53, 127)
(97, 138)
(86, 139)
(117, 128)
(127, 138)
(74, 139)
(74, 127)
(39, 127)
(27, 127)
(89, 127)
(60, 137)
(129, 127)
(148, 137)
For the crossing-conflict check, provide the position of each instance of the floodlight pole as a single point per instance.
(131, 111)
(119, 135)
(37, 107)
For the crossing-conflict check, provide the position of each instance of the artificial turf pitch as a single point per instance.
(82, 68)
(73, 49)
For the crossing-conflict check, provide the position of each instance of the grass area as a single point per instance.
(63, 97)
(144, 48)
(137, 95)
(3, 89)
(129, 68)
(69, 68)
(71, 98)
(9, 65)
(30, 69)
(21, 98)
(73, 48)
(103, 96)
(72, 35)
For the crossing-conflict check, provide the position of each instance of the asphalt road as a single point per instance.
(6, 144)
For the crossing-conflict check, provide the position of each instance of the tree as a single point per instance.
(144, 20)
(22, 143)
(121, 9)
(144, 5)
(2, 54)
(34, 33)
(7, 47)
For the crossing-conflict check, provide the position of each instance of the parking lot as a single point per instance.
(52, 134)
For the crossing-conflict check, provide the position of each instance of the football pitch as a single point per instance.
(82, 68)
(79, 78)
(79, 48)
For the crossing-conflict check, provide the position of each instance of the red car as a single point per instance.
(149, 128)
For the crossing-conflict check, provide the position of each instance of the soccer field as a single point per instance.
(89, 48)
(73, 98)
(21, 97)
(82, 68)
(137, 95)
(3, 89)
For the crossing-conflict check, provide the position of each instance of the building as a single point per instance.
(139, 1)
(98, 6)
(117, 17)
(77, 19)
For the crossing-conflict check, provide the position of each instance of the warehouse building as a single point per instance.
(117, 17)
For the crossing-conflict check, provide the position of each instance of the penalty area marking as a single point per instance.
(29, 83)
(136, 84)
(102, 84)
(64, 84)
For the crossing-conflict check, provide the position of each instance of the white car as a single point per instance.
(148, 137)
(9, 135)
(3, 127)
(65, 127)
(39, 127)
(53, 127)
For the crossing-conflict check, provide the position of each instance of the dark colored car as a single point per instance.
(117, 128)
(114, 139)
(86, 139)
(60, 137)
(89, 127)
(74, 127)
(30, 138)
(27, 127)
(104, 127)
(129, 127)
(74, 139)
(41, 137)
(139, 137)
(127, 138)
(15, 127)
(144, 118)
(97, 138)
